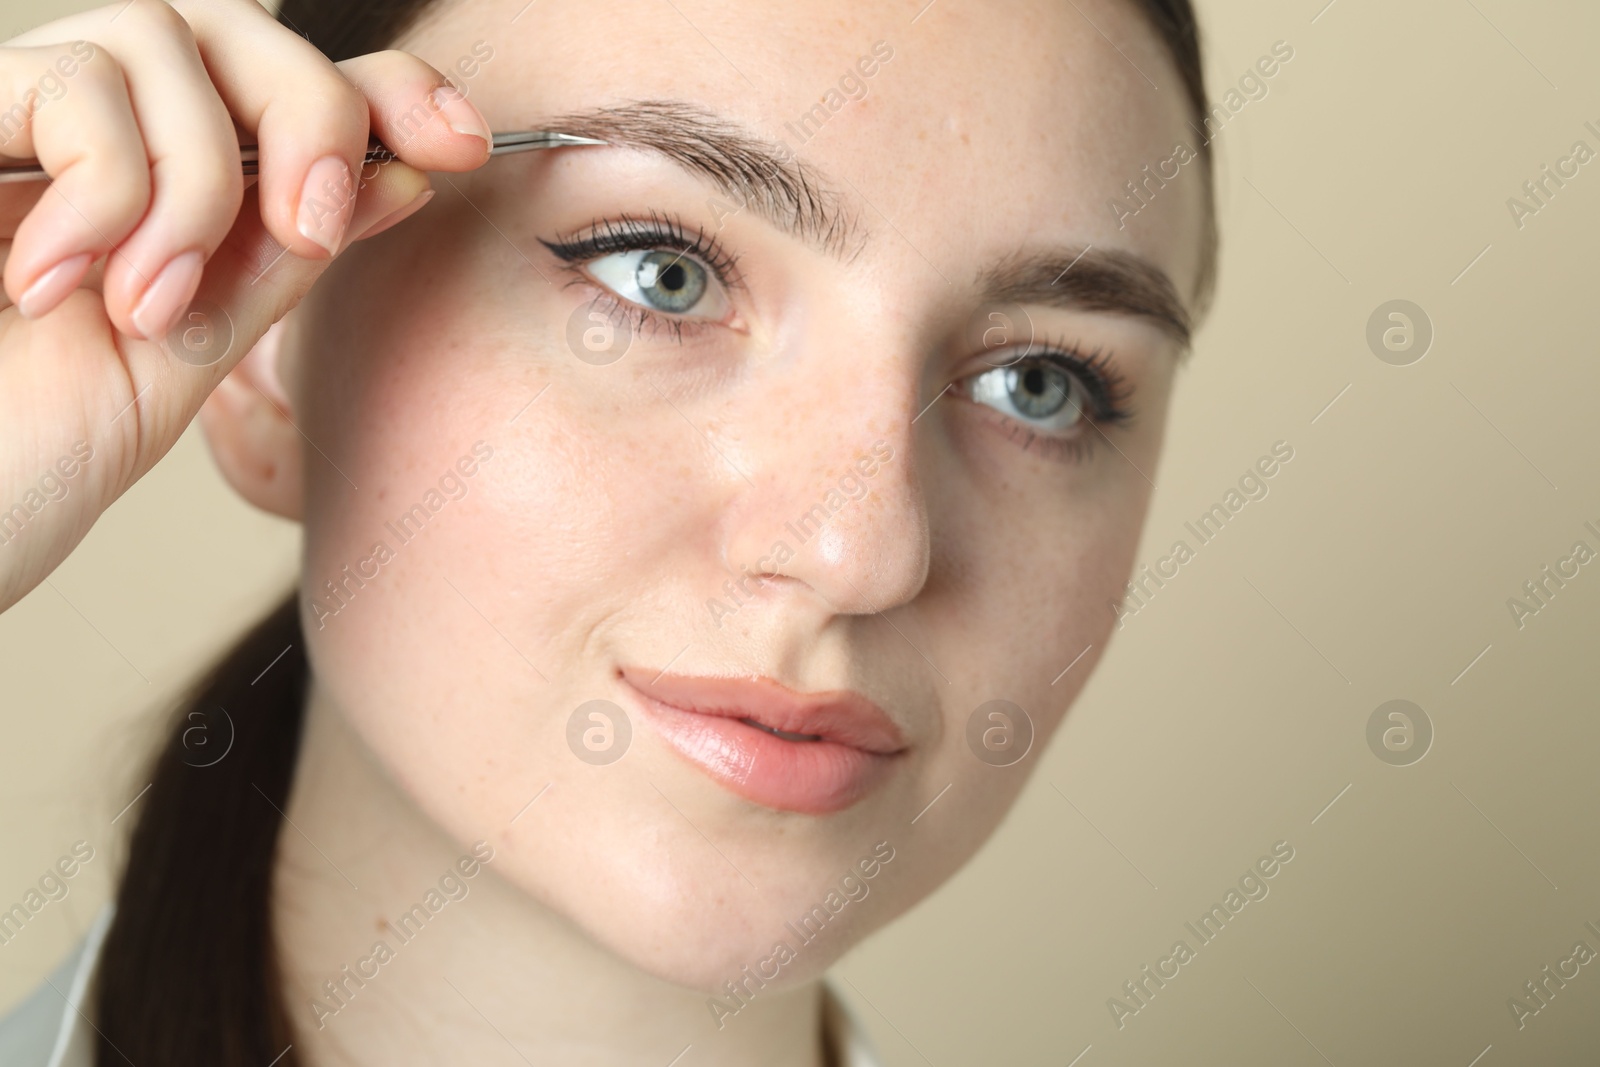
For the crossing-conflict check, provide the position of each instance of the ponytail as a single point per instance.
(188, 974)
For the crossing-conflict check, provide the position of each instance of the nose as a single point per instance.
(835, 501)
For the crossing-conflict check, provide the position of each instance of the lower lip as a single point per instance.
(810, 777)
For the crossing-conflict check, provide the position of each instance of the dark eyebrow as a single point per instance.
(1091, 279)
(757, 174)
(768, 179)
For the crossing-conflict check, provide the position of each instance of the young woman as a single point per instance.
(697, 524)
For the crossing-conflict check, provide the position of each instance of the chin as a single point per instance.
(702, 933)
(712, 951)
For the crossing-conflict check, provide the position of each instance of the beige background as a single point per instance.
(1232, 710)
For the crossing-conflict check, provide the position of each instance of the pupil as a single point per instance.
(672, 282)
(1039, 392)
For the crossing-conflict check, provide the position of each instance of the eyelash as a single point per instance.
(656, 232)
(1107, 388)
(1108, 393)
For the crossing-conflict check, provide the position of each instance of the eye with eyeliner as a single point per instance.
(652, 233)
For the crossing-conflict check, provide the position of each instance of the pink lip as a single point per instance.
(702, 718)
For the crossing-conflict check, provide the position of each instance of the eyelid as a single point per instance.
(634, 233)
(1108, 389)
(627, 233)
(1108, 392)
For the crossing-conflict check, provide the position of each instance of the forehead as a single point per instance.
(981, 129)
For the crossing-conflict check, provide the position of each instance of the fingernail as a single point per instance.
(398, 215)
(169, 293)
(326, 202)
(459, 112)
(51, 287)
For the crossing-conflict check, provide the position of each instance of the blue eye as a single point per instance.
(662, 280)
(1035, 392)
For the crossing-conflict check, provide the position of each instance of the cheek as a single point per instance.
(459, 659)
(1030, 595)
(406, 398)
(1019, 604)
(408, 648)
(483, 595)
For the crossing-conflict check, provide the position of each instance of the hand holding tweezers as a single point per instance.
(250, 161)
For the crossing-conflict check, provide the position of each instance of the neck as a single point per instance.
(386, 960)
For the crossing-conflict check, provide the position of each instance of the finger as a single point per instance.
(310, 123)
(252, 281)
(90, 281)
(418, 114)
(389, 193)
(196, 182)
(16, 200)
(88, 141)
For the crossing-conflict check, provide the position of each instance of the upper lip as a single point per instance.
(842, 716)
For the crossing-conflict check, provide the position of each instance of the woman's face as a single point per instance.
(748, 394)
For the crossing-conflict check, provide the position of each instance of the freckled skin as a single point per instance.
(612, 509)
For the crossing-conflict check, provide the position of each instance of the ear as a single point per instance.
(247, 422)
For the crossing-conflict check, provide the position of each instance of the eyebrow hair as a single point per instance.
(758, 174)
(1092, 279)
(793, 195)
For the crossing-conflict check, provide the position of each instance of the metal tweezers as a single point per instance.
(249, 155)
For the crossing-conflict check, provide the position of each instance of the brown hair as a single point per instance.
(188, 973)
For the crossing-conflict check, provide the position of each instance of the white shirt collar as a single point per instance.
(50, 1028)
(74, 1044)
